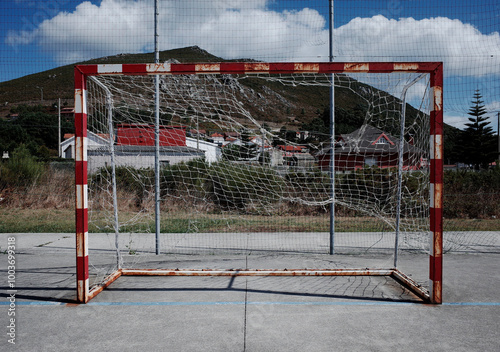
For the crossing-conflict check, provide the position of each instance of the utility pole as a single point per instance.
(41, 93)
(498, 135)
(157, 136)
(59, 127)
(332, 137)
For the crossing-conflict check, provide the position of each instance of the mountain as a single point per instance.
(58, 82)
(296, 107)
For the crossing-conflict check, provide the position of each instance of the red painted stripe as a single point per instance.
(437, 75)
(80, 125)
(285, 67)
(80, 81)
(82, 217)
(436, 268)
(232, 67)
(331, 67)
(437, 126)
(81, 172)
(436, 219)
(82, 268)
(86, 69)
(183, 68)
(436, 173)
(381, 67)
(138, 69)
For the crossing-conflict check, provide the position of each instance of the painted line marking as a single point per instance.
(37, 303)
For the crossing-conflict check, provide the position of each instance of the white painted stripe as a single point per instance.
(431, 203)
(414, 66)
(308, 67)
(158, 68)
(437, 103)
(81, 148)
(431, 245)
(109, 68)
(256, 67)
(437, 189)
(83, 287)
(431, 146)
(79, 102)
(86, 241)
(207, 68)
(438, 147)
(81, 197)
(82, 250)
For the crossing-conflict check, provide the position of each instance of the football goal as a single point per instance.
(237, 169)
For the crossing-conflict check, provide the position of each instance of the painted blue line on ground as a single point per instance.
(472, 304)
(38, 303)
(33, 303)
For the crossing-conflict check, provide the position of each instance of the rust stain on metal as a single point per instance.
(438, 146)
(402, 66)
(437, 250)
(158, 68)
(256, 67)
(438, 195)
(306, 67)
(258, 272)
(207, 68)
(437, 293)
(80, 148)
(357, 67)
(411, 285)
(108, 281)
(438, 98)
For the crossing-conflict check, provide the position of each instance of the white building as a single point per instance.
(212, 150)
(94, 141)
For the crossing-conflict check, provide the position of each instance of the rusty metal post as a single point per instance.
(436, 183)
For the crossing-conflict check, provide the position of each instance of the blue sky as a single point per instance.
(464, 34)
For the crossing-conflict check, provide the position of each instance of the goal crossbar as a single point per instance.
(435, 71)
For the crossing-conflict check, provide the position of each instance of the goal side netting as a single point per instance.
(233, 169)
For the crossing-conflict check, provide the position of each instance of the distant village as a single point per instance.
(134, 146)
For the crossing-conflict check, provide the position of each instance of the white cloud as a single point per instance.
(464, 49)
(250, 29)
(493, 107)
(455, 121)
(230, 29)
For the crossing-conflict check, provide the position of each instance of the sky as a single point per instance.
(464, 34)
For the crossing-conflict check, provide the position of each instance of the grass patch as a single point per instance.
(16, 220)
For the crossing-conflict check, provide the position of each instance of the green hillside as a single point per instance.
(280, 106)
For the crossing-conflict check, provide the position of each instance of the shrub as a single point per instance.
(22, 169)
(246, 188)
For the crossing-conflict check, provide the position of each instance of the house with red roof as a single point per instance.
(369, 146)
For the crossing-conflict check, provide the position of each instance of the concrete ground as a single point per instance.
(243, 313)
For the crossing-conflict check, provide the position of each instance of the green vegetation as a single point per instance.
(21, 170)
(472, 195)
(36, 128)
(479, 143)
(16, 220)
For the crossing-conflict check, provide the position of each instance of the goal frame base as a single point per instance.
(393, 273)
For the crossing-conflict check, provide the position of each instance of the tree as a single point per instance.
(478, 139)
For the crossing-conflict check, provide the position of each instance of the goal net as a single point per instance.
(236, 169)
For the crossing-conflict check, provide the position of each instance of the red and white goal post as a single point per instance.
(212, 196)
